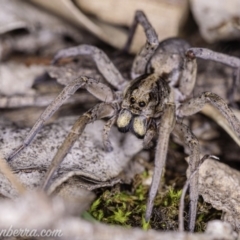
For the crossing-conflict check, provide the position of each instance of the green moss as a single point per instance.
(122, 207)
(127, 208)
(205, 213)
(165, 214)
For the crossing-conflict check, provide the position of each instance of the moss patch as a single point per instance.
(127, 208)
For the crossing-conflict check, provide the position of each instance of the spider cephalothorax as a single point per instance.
(149, 105)
(144, 99)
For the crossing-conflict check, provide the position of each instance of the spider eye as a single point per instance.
(142, 104)
(132, 100)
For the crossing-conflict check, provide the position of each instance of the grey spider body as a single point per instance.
(164, 80)
(149, 105)
(170, 61)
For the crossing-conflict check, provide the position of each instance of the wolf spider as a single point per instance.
(150, 106)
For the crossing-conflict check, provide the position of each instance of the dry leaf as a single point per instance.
(121, 13)
(86, 159)
(217, 20)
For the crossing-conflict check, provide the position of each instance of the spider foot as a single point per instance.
(148, 145)
(15, 152)
(108, 147)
